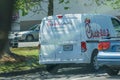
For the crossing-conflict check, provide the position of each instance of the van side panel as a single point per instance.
(106, 25)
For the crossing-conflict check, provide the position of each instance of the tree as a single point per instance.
(30, 5)
(50, 7)
(6, 7)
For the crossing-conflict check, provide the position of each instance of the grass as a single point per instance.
(31, 62)
(29, 51)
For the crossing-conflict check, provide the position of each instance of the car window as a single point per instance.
(37, 27)
(33, 27)
(116, 25)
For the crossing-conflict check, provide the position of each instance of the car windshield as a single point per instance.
(35, 27)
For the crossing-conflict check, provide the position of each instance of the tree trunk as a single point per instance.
(7, 48)
(50, 7)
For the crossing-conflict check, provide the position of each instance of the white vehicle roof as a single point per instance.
(71, 16)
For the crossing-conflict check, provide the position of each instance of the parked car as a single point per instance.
(13, 41)
(30, 35)
(109, 55)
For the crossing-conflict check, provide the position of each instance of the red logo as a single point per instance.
(94, 31)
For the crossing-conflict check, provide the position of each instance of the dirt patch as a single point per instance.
(6, 58)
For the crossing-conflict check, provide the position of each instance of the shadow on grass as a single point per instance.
(30, 64)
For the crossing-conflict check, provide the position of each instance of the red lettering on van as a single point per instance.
(50, 23)
(95, 33)
(57, 23)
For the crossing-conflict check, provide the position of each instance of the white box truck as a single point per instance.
(73, 38)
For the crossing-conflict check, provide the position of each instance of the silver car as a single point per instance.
(109, 56)
(30, 35)
(13, 42)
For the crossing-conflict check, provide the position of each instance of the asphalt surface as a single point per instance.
(63, 74)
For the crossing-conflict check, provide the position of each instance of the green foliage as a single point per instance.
(67, 2)
(28, 51)
(64, 1)
(32, 63)
(115, 4)
(66, 8)
(25, 5)
(61, 1)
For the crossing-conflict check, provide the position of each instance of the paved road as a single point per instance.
(64, 74)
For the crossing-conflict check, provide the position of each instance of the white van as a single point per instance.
(73, 38)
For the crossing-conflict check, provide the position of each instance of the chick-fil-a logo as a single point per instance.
(94, 30)
(88, 30)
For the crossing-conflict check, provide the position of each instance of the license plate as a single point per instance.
(68, 47)
(116, 48)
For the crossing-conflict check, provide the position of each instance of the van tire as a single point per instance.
(52, 69)
(112, 72)
(94, 65)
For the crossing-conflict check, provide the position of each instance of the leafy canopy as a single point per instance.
(115, 4)
(26, 5)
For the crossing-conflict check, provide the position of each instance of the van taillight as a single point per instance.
(103, 45)
(83, 46)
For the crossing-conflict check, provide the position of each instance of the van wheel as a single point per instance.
(52, 69)
(112, 72)
(94, 65)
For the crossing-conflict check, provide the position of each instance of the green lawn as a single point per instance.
(30, 51)
(31, 61)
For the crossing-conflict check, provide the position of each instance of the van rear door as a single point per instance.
(60, 39)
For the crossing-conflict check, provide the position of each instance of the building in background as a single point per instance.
(15, 22)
